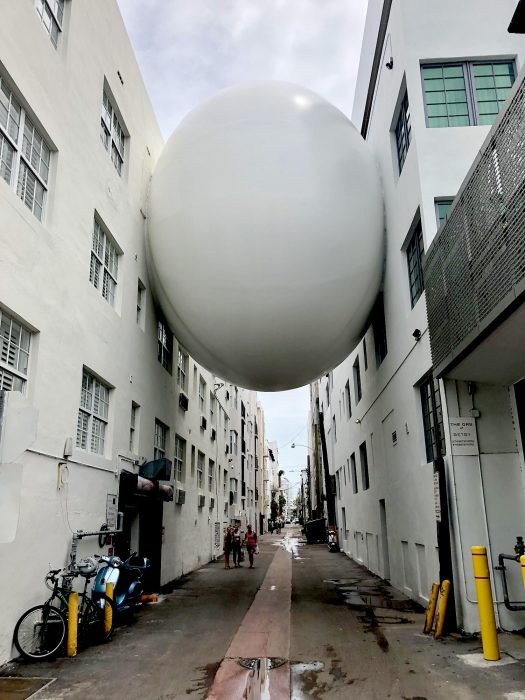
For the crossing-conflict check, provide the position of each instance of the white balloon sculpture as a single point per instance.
(265, 236)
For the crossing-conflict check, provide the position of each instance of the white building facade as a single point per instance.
(92, 382)
(432, 79)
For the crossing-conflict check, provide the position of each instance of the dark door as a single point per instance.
(150, 541)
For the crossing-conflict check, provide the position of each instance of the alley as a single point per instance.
(336, 632)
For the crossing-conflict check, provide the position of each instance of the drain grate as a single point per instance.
(271, 663)
(18, 688)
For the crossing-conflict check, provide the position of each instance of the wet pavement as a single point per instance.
(304, 623)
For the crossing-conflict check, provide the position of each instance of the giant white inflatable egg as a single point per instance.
(265, 235)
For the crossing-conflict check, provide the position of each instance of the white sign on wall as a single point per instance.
(437, 499)
(463, 436)
(111, 511)
(217, 535)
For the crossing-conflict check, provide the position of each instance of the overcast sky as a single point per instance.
(189, 49)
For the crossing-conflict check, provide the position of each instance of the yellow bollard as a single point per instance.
(442, 608)
(431, 609)
(487, 620)
(108, 610)
(522, 562)
(72, 625)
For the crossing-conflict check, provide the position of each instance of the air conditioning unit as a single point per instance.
(180, 496)
(204, 423)
(212, 503)
(201, 500)
(183, 401)
(213, 433)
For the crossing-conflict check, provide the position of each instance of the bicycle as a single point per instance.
(41, 631)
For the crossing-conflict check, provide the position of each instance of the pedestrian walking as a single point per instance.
(227, 547)
(251, 543)
(270, 527)
(236, 547)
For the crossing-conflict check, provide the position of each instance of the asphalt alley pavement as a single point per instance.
(304, 623)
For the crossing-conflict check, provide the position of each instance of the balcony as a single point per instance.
(475, 267)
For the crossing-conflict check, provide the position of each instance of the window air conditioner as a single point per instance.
(180, 496)
(183, 401)
(204, 423)
(201, 501)
(213, 433)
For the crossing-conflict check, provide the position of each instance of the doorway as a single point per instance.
(384, 539)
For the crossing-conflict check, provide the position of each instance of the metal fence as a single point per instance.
(477, 260)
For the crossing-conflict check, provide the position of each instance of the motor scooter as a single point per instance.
(126, 577)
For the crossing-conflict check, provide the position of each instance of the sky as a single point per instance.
(188, 50)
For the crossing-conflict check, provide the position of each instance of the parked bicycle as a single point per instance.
(41, 631)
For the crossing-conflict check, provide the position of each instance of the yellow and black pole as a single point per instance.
(431, 609)
(442, 609)
(487, 619)
(108, 610)
(522, 564)
(72, 624)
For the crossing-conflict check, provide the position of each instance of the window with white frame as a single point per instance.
(93, 414)
(202, 395)
(24, 154)
(103, 268)
(180, 458)
(141, 292)
(211, 470)
(403, 132)
(160, 439)
(112, 133)
(200, 469)
(51, 13)
(225, 482)
(15, 342)
(164, 345)
(466, 93)
(182, 369)
(133, 425)
(233, 441)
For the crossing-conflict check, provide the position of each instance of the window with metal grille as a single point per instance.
(211, 470)
(202, 395)
(164, 345)
(15, 342)
(464, 94)
(24, 154)
(182, 368)
(353, 469)
(51, 13)
(432, 419)
(180, 458)
(160, 439)
(200, 469)
(93, 413)
(111, 133)
(133, 424)
(415, 265)
(357, 381)
(103, 268)
(403, 132)
(442, 207)
(363, 456)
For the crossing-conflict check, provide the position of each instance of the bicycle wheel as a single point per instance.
(40, 632)
(91, 619)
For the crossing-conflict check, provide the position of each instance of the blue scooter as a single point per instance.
(126, 577)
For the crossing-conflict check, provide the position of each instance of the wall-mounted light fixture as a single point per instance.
(416, 334)
(390, 64)
(357, 420)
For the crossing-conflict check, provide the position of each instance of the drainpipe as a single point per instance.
(330, 500)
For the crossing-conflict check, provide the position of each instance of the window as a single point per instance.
(141, 290)
(200, 469)
(338, 489)
(133, 424)
(93, 414)
(403, 132)
(103, 268)
(160, 439)
(211, 469)
(236, 400)
(179, 458)
(415, 266)
(379, 329)
(357, 381)
(51, 13)
(112, 133)
(225, 482)
(334, 431)
(15, 341)
(348, 400)
(442, 207)
(202, 395)
(233, 441)
(365, 354)
(353, 470)
(164, 345)
(24, 154)
(182, 369)
(328, 391)
(432, 419)
(213, 403)
(464, 94)
(365, 480)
